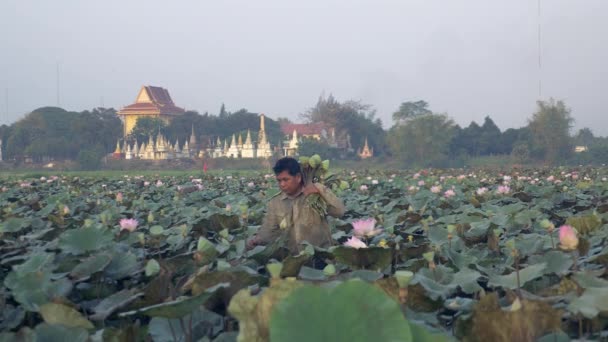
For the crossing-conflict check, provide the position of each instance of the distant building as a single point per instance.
(579, 149)
(154, 102)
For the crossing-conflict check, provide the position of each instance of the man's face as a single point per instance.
(289, 184)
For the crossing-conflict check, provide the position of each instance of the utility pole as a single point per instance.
(58, 99)
(540, 74)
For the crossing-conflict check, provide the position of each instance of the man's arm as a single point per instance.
(335, 206)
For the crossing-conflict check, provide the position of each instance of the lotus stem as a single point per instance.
(517, 273)
(574, 261)
(403, 295)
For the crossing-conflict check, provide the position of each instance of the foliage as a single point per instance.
(550, 128)
(424, 140)
(485, 265)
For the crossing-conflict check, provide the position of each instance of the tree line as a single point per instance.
(418, 136)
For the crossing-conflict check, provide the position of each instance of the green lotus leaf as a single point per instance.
(593, 301)
(123, 264)
(203, 323)
(85, 239)
(175, 309)
(58, 333)
(14, 224)
(53, 313)
(373, 258)
(352, 311)
(557, 262)
(93, 264)
(526, 274)
(112, 303)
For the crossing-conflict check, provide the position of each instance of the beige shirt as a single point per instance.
(301, 222)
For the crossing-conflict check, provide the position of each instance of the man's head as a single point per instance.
(288, 173)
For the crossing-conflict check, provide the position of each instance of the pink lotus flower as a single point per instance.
(159, 183)
(128, 224)
(199, 186)
(461, 177)
(481, 191)
(550, 179)
(251, 184)
(449, 193)
(365, 227)
(355, 243)
(66, 210)
(25, 185)
(375, 181)
(119, 197)
(568, 239)
(435, 189)
(363, 187)
(421, 183)
(503, 189)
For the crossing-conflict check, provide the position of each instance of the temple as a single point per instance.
(153, 102)
(366, 152)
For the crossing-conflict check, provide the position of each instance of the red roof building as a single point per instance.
(150, 102)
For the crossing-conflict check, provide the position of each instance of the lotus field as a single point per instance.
(425, 255)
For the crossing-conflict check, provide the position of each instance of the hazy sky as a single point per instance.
(467, 58)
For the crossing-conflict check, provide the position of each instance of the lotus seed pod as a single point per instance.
(150, 217)
(343, 185)
(451, 228)
(404, 278)
(429, 256)
(329, 270)
(274, 269)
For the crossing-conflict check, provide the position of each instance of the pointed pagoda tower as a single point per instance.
(248, 150)
(264, 150)
(118, 151)
(366, 152)
(233, 150)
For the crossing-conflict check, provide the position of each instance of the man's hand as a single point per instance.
(311, 189)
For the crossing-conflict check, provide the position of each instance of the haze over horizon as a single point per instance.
(470, 58)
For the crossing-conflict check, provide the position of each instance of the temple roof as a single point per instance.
(304, 129)
(152, 100)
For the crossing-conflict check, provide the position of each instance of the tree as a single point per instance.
(147, 127)
(410, 110)
(584, 137)
(489, 137)
(424, 139)
(352, 118)
(550, 128)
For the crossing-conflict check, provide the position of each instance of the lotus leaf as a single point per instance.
(373, 258)
(526, 274)
(60, 333)
(53, 313)
(352, 311)
(85, 239)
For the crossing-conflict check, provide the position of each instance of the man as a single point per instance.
(289, 213)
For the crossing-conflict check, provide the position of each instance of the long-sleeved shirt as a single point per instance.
(299, 221)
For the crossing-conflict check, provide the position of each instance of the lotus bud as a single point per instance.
(141, 238)
(275, 269)
(283, 224)
(510, 244)
(325, 165)
(329, 270)
(548, 225)
(404, 278)
(451, 228)
(568, 239)
(410, 238)
(152, 268)
(150, 217)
